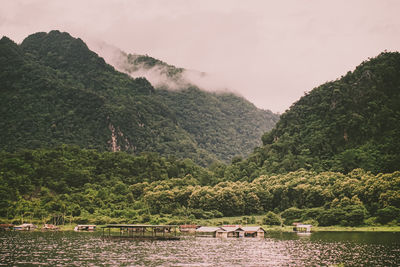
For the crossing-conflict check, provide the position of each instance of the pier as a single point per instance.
(141, 231)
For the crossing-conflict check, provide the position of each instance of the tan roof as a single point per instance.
(231, 228)
(206, 229)
(253, 229)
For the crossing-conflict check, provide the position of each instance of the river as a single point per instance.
(276, 249)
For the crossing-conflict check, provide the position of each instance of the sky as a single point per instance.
(270, 52)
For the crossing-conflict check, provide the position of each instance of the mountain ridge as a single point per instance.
(352, 122)
(72, 96)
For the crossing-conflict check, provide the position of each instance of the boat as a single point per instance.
(302, 228)
(25, 227)
(50, 227)
(85, 227)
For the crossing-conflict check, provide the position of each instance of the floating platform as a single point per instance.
(116, 237)
(140, 232)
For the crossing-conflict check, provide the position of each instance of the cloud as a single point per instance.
(160, 75)
(269, 51)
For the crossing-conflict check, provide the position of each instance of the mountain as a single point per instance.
(54, 91)
(353, 122)
(222, 123)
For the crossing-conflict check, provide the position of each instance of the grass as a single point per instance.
(383, 228)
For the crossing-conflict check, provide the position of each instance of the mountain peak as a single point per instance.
(63, 93)
(62, 51)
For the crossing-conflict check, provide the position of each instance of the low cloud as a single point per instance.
(161, 75)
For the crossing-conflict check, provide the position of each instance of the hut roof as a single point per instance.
(6, 225)
(253, 229)
(231, 228)
(206, 229)
(304, 225)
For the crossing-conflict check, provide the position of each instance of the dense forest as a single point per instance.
(84, 142)
(353, 122)
(89, 186)
(54, 91)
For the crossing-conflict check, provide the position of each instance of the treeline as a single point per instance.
(88, 186)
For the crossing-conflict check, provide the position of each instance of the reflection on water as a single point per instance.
(280, 249)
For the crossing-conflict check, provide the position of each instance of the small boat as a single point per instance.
(302, 228)
(85, 227)
(6, 227)
(25, 227)
(50, 227)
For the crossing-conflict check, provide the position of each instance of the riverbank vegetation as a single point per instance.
(86, 186)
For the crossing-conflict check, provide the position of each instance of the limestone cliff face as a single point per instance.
(117, 139)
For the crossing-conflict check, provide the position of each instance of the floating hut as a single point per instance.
(208, 231)
(25, 227)
(188, 228)
(302, 228)
(231, 231)
(6, 227)
(85, 227)
(141, 231)
(253, 231)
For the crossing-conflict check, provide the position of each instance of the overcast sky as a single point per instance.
(270, 52)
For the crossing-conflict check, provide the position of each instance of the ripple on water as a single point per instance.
(88, 249)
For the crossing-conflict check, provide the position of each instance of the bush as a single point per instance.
(291, 215)
(371, 221)
(355, 215)
(217, 214)
(145, 218)
(81, 220)
(387, 214)
(102, 220)
(271, 219)
(177, 222)
(201, 214)
(331, 217)
(352, 215)
(312, 214)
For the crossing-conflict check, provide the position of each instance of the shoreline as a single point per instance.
(288, 229)
(276, 229)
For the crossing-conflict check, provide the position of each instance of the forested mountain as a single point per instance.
(353, 122)
(54, 90)
(204, 115)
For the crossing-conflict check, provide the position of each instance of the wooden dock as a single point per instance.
(140, 232)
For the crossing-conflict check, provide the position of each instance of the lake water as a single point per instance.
(279, 249)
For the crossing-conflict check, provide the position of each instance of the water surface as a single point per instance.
(279, 249)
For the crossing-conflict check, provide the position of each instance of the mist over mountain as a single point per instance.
(160, 74)
(54, 91)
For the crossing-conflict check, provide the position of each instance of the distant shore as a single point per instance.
(338, 228)
(286, 229)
